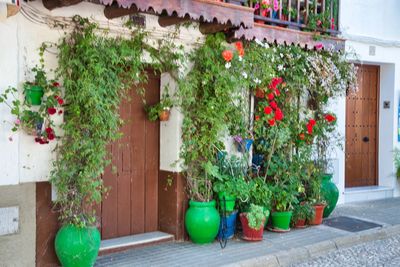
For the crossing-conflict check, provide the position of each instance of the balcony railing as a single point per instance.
(308, 15)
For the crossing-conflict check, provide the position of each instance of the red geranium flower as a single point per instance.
(271, 96)
(302, 136)
(278, 115)
(271, 122)
(51, 136)
(241, 52)
(273, 105)
(60, 112)
(51, 110)
(267, 110)
(277, 92)
(49, 130)
(239, 45)
(257, 117)
(330, 118)
(309, 128)
(60, 101)
(56, 84)
(312, 122)
(227, 55)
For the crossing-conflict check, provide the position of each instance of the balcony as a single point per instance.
(300, 22)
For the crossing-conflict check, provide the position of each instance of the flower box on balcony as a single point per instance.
(237, 2)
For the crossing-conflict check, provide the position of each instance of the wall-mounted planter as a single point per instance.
(226, 202)
(164, 115)
(245, 145)
(34, 94)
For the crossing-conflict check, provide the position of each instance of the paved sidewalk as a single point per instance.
(276, 249)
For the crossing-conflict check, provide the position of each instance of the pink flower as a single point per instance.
(319, 22)
(17, 121)
(319, 46)
(276, 5)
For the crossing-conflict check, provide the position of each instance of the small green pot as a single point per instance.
(281, 219)
(202, 221)
(34, 94)
(77, 247)
(229, 201)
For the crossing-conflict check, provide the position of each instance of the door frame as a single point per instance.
(378, 89)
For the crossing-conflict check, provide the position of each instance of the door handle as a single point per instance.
(365, 139)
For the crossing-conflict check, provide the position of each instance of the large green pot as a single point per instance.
(34, 94)
(281, 219)
(77, 247)
(202, 221)
(330, 193)
(229, 201)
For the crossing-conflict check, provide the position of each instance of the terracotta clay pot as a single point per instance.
(250, 234)
(164, 115)
(319, 211)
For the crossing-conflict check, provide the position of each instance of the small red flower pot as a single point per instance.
(250, 234)
(164, 115)
(301, 223)
(319, 211)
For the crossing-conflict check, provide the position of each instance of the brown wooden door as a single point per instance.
(131, 204)
(362, 130)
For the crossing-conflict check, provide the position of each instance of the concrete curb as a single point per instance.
(304, 253)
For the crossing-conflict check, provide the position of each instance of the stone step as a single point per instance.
(133, 241)
(355, 194)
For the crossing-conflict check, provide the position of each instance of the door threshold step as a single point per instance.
(133, 241)
(364, 193)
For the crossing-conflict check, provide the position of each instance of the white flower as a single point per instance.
(258, 42)
(257, 81)
(240, 58)
(244, 74)
(280, 67)
(281, 55)
(227, 65)
(266, 45)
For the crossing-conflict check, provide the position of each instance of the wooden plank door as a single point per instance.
(131, 204)
(362, 130)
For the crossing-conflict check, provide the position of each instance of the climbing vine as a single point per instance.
(97, 69)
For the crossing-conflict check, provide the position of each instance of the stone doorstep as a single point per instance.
(133, 241)
(300, 254)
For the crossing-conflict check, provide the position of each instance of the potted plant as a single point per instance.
(315, 198)
(253, 223)
(160, 110)
(301, 214)
(283, 197)
(229, 184)
(243, 144)
(34, 91)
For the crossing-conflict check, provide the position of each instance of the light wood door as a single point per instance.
(362, 129)
(131, 205)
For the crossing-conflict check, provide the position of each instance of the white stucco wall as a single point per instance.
(22, 160)
(366, 24)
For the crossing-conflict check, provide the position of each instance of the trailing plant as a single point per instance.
(36, 121)
(97, 69)
(256, 216)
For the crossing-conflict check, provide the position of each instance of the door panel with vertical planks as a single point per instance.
(362, 129)
(131, 204)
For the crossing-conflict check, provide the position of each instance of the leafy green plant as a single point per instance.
(302, 211)
(256, 216)
(397, 162)
(97, 70)
(165, 104)
(283, 197)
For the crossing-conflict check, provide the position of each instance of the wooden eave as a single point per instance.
(280, 35)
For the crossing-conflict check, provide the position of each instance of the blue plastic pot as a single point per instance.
(246, 144)
(229, 232)
(257, 161)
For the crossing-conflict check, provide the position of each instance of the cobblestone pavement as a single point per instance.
(385, 252)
